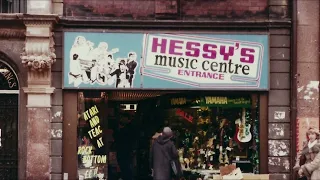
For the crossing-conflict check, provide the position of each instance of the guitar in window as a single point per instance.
(223, 156)
(244, 134)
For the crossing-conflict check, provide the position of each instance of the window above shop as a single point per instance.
(12, 6)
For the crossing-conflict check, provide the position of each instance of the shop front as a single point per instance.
(210, 89)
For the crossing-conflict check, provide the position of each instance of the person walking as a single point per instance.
(163, 153)
(312, 169)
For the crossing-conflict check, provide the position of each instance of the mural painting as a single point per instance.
(89, 64)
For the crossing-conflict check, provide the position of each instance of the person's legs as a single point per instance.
(127, 175)
(130, 79)
(125, 167)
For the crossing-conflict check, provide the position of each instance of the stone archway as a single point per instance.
(9, 102)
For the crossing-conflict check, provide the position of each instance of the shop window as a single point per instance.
(210, 131)
(92, 148)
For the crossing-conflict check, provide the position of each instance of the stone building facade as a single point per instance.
(31, 44)
(27, 48)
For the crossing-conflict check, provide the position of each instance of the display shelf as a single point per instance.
(241, 161)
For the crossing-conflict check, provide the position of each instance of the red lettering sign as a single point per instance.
(184, 115)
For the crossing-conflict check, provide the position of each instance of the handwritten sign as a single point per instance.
(91, 115)
(95, 159)
(92, 163)
(87, 157)
(91, 173)
(88, 173)
(84, 150)
(184, 115)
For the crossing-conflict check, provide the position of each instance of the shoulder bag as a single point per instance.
(172, 163)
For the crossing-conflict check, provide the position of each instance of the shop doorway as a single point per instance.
(207, 129)
(9, 96)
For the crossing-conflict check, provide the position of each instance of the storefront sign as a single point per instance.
(165, 61)
(178, 101)
(216, 101)
(8, 79)
(210, 101)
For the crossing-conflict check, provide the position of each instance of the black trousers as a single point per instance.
(125, 164)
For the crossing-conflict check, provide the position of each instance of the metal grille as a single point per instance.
(136, 95)
(6, 6)
(8, 137)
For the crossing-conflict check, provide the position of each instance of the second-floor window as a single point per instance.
(6, 6)
(12, 6)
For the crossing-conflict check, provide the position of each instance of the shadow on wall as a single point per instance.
(188, 9)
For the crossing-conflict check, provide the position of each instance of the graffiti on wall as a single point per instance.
(279, 148)
(279, 115)
(310, 92)
(279, 164)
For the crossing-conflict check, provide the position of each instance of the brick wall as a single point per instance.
(183, 9)
(224, 8)
(279, 136)
(56, 109)
(109, 8)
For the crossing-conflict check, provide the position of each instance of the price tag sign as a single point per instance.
(237, 158)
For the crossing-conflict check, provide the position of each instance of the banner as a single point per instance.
(165, 61)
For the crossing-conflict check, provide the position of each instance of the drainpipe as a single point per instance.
(293, 106)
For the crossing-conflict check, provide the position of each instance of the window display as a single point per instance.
(92, 152)
(213, 131)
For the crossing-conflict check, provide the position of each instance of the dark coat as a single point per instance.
(131, 67)
(158, 161)
(312, 169)
(124, 138)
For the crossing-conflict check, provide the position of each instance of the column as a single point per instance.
(38, 56)
(308, 68)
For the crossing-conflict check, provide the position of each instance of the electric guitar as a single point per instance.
(221, 141)
(223, 156)
(244, 134)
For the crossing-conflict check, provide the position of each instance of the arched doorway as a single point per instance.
(9, 98)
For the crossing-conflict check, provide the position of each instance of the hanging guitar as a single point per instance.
(223, 156)
(221, 160)
(244, 134)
